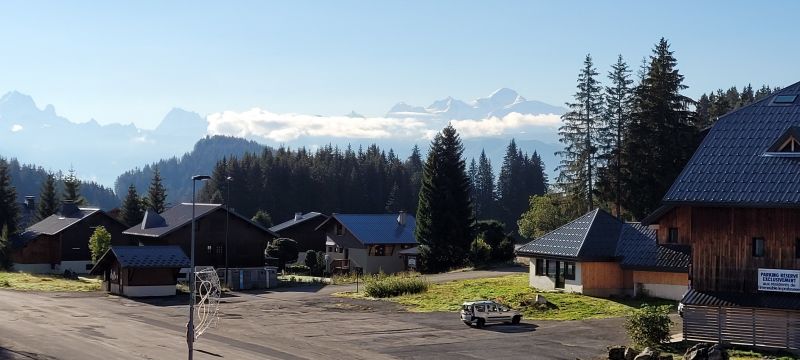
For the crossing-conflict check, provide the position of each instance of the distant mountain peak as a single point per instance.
(354, 114)
(499, 103)
(17, 99)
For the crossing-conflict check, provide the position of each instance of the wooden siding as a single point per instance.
(306, 235)
(601, 275)
(666, 278)
(44, 249)
(680, 218)
(149, 276)
(742, 326)
(721, 240)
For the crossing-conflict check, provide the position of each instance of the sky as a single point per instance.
(134, 61)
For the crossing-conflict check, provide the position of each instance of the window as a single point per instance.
(758, 247)
(552, 268)
(378, 250)
(784, 99)
(219, 249)
(569, 270)
(339, 229)
(790, 145)
(672, 237)
(208, 249)
(330, 248)
(539, 267)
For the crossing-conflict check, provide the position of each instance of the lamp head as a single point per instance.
(200, 177)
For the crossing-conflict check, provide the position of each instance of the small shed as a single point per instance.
(140, 271)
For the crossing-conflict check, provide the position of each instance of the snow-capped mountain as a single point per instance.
(500, 103)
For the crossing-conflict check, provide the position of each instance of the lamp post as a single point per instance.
(192, 290)
(227, 216)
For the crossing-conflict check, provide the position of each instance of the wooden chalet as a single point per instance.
(60, 242)
(599, 255)
(141, 271)
(303, 229)
(369, 243)
(737, 205)
(246, 239)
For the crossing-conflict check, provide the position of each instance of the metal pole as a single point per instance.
(190, 325)
(227, 215)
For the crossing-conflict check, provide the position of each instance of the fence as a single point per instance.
(742, 326)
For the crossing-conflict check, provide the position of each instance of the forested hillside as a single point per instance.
(28, 179)
(176, 172)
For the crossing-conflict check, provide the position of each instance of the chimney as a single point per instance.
(401, 219)
(298, 216)
(30, 202)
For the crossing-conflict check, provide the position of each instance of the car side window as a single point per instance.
(492, 307)
(479, 308)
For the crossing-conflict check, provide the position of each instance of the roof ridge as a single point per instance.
(588, 229)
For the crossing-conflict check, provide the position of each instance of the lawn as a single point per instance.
(35, 282)
(513, 290)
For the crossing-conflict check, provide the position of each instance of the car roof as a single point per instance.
(478, 302)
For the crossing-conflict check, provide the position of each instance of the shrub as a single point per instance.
(479, 252)
(99, 243)
(649, 325)
(298, 269)
(284, 249)
(383, 286)
(312, 262)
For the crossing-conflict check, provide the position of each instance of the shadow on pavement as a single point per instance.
(511, 329)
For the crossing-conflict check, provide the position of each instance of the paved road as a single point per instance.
(277, 325)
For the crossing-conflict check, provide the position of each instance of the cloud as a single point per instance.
(16, 128)
(291, 126)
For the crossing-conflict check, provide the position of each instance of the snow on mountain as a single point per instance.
(500, 103)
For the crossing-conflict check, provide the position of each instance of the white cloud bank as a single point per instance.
(287, 127)
(16, 128)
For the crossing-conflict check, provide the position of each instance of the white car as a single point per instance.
(483, 312)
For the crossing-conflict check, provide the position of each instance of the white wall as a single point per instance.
(663, 291)
(33, 268)
(156, 290)
(78, 267)
(546, 283)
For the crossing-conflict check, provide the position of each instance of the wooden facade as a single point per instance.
(601, 277)
(246, 241)
(306, 234)
(722, 243)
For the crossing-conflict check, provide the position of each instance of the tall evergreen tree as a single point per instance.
(485, 194)
(579, 134)
(72, 189)
(132, 212)
(9, 210)
(156, 193)
(660, 136)
(48, 198)
(472, 173)
(444, 214)
(615, 120)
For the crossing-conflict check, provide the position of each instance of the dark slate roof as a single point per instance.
(53, 224)
(782, 301)
(378, 228)
(733, 166)
(179, 216)
(170, 256)
(292, 222)
(591, 236)
(639, 249)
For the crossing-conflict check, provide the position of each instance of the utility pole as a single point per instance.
(192, 290)
(227, 216)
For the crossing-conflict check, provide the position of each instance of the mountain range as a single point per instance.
(101, 153)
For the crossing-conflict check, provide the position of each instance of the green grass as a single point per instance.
(35, 282)
(513, 290)
(385, 286)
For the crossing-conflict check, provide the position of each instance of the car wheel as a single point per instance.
(515, 320)
(468, 323)
(481, 323)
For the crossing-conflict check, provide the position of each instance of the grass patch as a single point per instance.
(384, 286)
(513, 290)
(37, 282)
(303, 279)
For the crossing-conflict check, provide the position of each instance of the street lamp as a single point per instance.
(227, 215)
(192, 290)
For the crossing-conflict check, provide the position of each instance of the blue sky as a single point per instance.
(133, 61)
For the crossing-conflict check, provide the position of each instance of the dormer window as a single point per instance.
(788, 144)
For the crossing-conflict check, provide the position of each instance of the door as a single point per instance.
(560, 274)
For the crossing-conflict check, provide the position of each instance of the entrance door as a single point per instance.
(560, 272)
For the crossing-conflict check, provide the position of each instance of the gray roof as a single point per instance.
(57, 223)
(783, 301)
(292, 222)
(372, 229)
(639, 249)
(170, 256)
(735, 165)
(591, 236)
(177, 217)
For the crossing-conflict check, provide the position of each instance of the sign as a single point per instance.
(412, 262)
(781, 280)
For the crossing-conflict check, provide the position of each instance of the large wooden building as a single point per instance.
(737, 204)
(303, 229)
(599, 255)
(246, 240)
(60, 242)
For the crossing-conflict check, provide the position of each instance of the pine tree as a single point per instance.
(472, 173)
(579, 134)
(485, 194)
(615, 120)
(132, 212)
(660, 137)
(48, 198)
(72, 189)
(157, 194)
(9, 210)
(444, 214)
